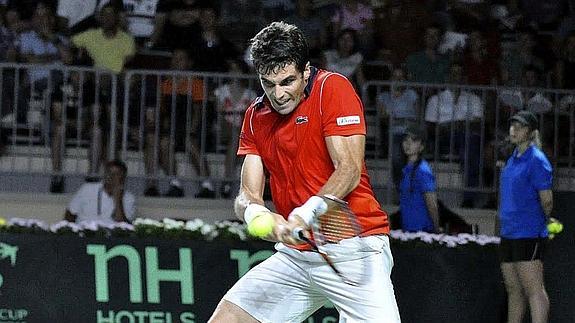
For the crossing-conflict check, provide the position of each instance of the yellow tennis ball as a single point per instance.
(555, 227)
(2, 221)
(262, 225)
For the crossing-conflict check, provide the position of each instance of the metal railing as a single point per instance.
(467, 126)
(66, 120)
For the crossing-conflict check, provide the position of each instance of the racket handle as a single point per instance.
(298, 234)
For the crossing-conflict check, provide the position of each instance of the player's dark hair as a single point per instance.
(277, 46)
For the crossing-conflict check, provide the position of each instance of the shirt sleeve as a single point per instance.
(426, 180)
(247, 140)
(75, 205)
(541, 174)
(341, 108)
(81, 39)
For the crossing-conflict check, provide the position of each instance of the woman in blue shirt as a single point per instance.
(526, 201)
(417, 196)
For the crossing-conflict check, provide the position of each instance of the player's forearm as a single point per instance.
(243, 200)
(119, 215)
(432, 208)
(344, 179)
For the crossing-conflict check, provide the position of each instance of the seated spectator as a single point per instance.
(428, 65)
(417, 197)
(173, 125)
(41, 45)
(106, 201)
(177, 24)
(8, 43)
(522, 54)
(400, 35)
(355, 15)
(213, 48)
(565, 65)
(232, 99)
(398, 110)
(274, 10)
(449, 106)
(140, 16)
(480, 66)
(457, 114)
(345, 58)
(109, 48)
(312, 26)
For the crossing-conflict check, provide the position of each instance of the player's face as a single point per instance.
(285, 88)
(518, 133)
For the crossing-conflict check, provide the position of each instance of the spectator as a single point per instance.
(69, 99)
(140, 16)
(41, 45)
(312, 26)
(106, 201)
(398, 110)
(78, 16)
(176, 21)
(241, 18)
(522, 54)
(174, 131)
(213, 48)
(274, 10)
(480, 66)
(418, 197)
(345, 58)
(232, 99)
(26, 8)
(398, 34)
(449, 106)
(565, 66)
(526, 202)
(358, 16)
(8, 43)
(109, 48)
(543, 15)
(428, 65)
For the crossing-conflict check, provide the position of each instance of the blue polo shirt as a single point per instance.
(520, 211)
(414, 213)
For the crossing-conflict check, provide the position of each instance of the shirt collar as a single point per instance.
(526, 153)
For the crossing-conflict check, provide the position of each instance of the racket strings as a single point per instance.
(337, 225)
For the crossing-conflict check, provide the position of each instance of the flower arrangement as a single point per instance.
(200, 230)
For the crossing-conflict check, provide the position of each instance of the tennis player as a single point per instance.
(308, 133)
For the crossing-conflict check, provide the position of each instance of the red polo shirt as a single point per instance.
(293, 147)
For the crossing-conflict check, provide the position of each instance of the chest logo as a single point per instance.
(301, 119)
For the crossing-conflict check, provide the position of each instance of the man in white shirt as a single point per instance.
(105, 201)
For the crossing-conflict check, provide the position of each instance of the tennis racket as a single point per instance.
(336, 224)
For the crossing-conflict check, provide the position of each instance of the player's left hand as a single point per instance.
(285, 232)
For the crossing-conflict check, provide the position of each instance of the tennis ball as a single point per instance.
(555, 227)
(2, 222)
(262, 225)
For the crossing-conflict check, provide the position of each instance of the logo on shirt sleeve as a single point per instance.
(344, 121)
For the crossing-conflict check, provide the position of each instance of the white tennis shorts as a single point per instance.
(291, 285)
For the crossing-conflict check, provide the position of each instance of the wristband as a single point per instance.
(252, 211)
(312, 208)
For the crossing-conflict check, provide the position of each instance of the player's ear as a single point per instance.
(306, 71)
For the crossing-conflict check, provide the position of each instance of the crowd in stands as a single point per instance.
(526, 43)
